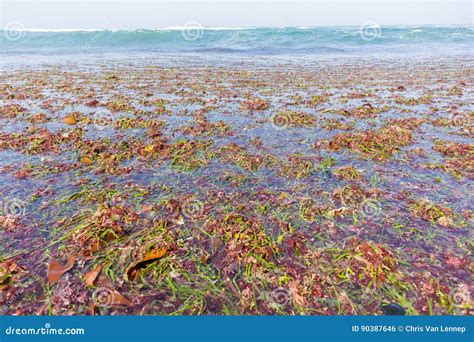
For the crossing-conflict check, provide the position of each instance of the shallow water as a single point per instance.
(193, 85)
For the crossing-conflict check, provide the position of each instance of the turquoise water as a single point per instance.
(249, 41)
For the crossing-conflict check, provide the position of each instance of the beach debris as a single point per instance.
(342, 189)
(108, 297)
(378, 145)
(393, 309)
(70, 120)
(131, 271)
(430, 211)
(255, 104)
(86, 160)
(91, 276)
(56, 269)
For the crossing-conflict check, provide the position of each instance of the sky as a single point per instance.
(149, 14)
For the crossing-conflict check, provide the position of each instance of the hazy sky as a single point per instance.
(68, 14)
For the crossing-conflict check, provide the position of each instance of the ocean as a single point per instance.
(365, 40)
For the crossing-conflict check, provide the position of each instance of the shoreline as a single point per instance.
(9, 62)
